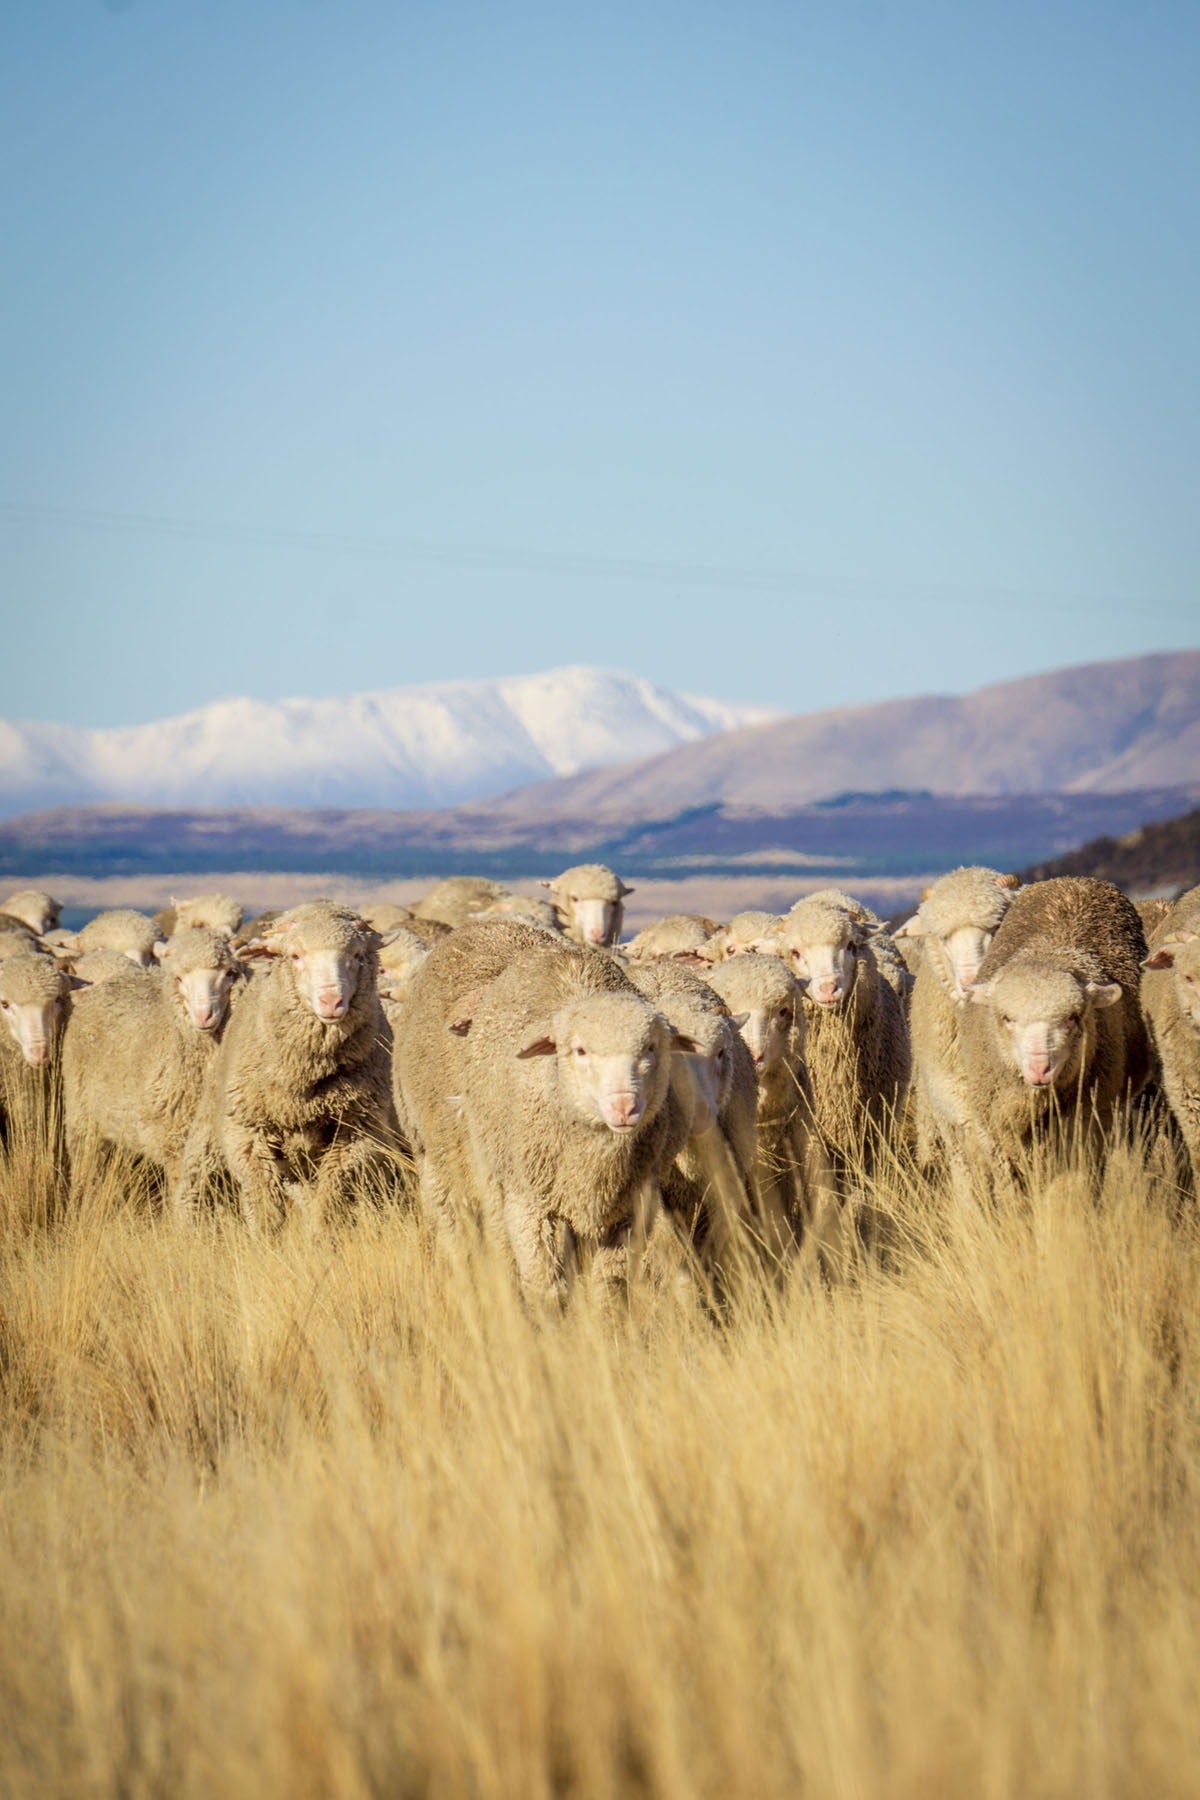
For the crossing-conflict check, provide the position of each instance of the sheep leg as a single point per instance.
(254, 1164)
(535, 1238)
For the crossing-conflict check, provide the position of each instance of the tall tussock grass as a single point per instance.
(339, 1517)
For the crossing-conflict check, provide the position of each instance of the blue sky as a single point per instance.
(803, 353)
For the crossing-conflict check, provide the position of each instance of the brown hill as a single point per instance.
(1162, 857)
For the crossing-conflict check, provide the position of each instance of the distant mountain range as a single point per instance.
(410, 746)
(608, 746)
(1098, 728)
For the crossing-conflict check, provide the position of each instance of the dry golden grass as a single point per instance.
(341, 1519)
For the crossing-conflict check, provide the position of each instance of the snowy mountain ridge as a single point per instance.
(427, 746)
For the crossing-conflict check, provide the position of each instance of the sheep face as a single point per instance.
(33, 1004)
(328, 951)
(765, 997)
(1040, 1014)
(205, 995)
(590, 903)
(1182, 954)
(613, 1056)
(709, 1054)
(825, 963)
(959, 957)
(39, 911)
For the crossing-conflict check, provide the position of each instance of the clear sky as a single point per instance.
(804, 353)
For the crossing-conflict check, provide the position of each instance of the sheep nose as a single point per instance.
(827, 990)
(37, 1054)
(624, 1109)
(1037, 1069)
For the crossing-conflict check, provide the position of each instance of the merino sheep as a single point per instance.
(1171, 1004)
(676, 935)
(18, 942)
(747, 934)
(1054, 1028)
(297, 1102)
(453, 901)
(96, 966)
(429, 1055)
(858, 1046)
(589, 901)
(132, 933)
(790, 1177)
(40, 911)
(707, 1189)
(570, 1113)
(138, 1047)
(385, 915)
(1153, 913)
(401, 952)
(529, 907)
(955, 924)
(34, 1000)
(213, 912)
(257, 927)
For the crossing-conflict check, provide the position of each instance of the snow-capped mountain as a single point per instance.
(399, 747)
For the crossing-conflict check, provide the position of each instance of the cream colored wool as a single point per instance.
(133, 1061)
(33, 907)
(1171, 1005)
(297, 1108)
(1060, 945)
(453, 901)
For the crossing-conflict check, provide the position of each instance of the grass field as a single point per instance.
(341, 1519)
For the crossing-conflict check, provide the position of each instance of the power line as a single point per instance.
(18, 514)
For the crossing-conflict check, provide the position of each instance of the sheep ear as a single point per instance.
(543, 1046)
(925, 893)
(160, 950)
(1012, 882)
(625, 891)
(980, 991)
(911, 928)
(737, 1020)
(1104, 993)
(1163, 958)
(255, 948)
(679, 1041)
(689, 956)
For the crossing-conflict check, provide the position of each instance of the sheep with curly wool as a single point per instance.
(955, 924)
(1053, 1038)
(33, 907)
(458, 898)
(132, 933)
(790, 1178)
(34, 1005)
(139, 1045)
(679, 934)
(297, 1104)
(1171, 1006)
(858, 1046)
(589, 900)
(707, 1189)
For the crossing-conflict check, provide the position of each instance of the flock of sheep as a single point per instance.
(699, 1094)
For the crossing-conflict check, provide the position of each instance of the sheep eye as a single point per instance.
(1008, 1020)
(579, 1050)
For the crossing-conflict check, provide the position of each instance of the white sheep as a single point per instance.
(138, 1047)
(677, 934)
(790, 1176)
(1054, 1034)
(747, 934)
(955, 924)
(589, 900)
(213, 912)
(297, 1103)
(34, 1002)
(1171, 1004)
(39, 910)
(458, 898)
(707, 1189)
(858, 1047)
(122, 929)
(535, 1082)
